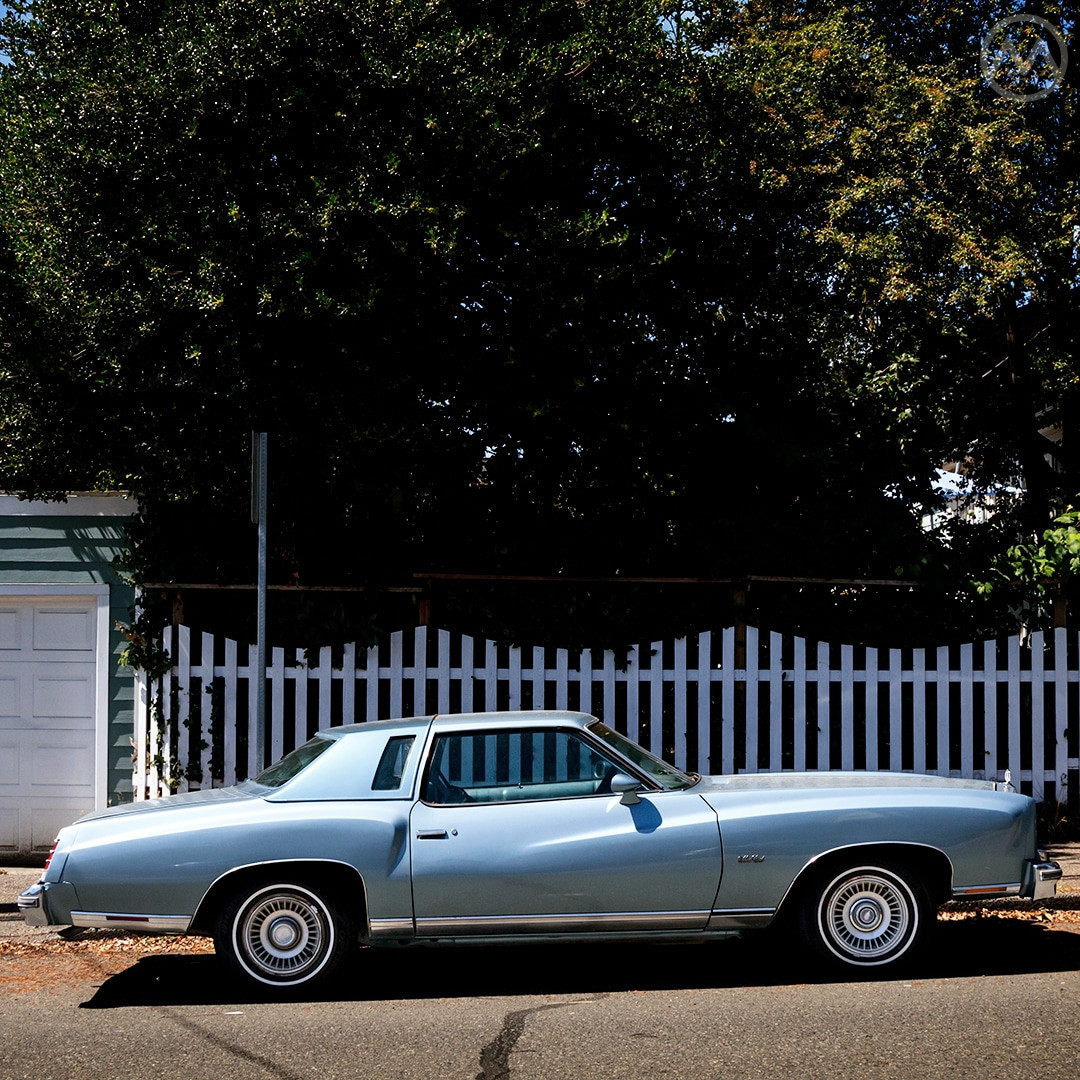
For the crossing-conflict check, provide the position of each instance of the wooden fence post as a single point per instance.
(1011, 711)
(739, 721)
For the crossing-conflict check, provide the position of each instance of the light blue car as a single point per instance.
(534, 826)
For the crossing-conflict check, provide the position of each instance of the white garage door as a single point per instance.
(48, 666)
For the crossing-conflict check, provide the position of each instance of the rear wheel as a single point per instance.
(866, 916)
(284, 934)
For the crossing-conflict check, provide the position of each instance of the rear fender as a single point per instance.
(343, 879)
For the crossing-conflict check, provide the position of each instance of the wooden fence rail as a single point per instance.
(735, 700)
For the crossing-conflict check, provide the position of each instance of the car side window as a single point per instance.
(392, 764)
(511, 766)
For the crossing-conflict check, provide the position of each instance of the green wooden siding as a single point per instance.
(61, 549)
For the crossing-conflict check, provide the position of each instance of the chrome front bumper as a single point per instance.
(1041, 879)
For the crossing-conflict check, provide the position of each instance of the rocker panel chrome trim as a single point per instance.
(149, 924)
(583, 923)
(964, 892)
(392, 928)
(741, 918)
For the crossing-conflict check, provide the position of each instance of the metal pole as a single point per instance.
(258, 451)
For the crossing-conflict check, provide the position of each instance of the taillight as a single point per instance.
(52, 852)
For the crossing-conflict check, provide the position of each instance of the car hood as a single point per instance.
(836, 781)
(175, 802)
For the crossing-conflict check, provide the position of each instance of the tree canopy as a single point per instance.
(608, 288)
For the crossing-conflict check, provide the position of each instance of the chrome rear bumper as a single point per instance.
(32, 906)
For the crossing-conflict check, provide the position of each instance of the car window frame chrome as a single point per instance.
(635, 769)
(581, 732)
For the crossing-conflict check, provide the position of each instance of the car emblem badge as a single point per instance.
(751, 858)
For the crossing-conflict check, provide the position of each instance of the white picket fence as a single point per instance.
(720, 702)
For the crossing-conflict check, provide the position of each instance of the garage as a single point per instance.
(49, 763)
(66, 707)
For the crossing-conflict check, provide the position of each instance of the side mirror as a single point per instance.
(626, 786)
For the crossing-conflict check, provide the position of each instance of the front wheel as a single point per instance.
(866, 916)
(283, 934)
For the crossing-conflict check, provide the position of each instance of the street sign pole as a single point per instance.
(258, 517)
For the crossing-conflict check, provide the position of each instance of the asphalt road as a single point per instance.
(997, 994)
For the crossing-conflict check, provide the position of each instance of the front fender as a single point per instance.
(771, 838)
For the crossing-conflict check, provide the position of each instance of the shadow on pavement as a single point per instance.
(962, 949)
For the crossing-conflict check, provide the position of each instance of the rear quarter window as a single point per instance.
(391, 767)
(293, 764)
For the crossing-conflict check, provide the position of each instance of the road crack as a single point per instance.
(495, 1057)
(279, 1072)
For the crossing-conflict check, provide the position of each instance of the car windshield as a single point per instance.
(667, 776)
(293, 764)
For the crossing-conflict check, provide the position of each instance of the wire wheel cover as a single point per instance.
(284, 934)
(868, 916)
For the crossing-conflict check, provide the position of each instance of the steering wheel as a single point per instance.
(440, 790)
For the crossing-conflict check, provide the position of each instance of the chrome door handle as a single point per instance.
(432, 834)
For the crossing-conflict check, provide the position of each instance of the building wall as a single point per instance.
(62, 548)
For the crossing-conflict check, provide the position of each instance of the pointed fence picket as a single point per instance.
(736, 700)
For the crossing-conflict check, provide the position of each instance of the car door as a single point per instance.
(516, 831)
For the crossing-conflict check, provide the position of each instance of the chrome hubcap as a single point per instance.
(868, 917)
(866, 914)
(283, 935)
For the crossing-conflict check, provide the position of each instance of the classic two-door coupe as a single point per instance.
(538, 826)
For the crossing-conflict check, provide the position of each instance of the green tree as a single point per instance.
(344, 223)
(931, 225)
(618, 288)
